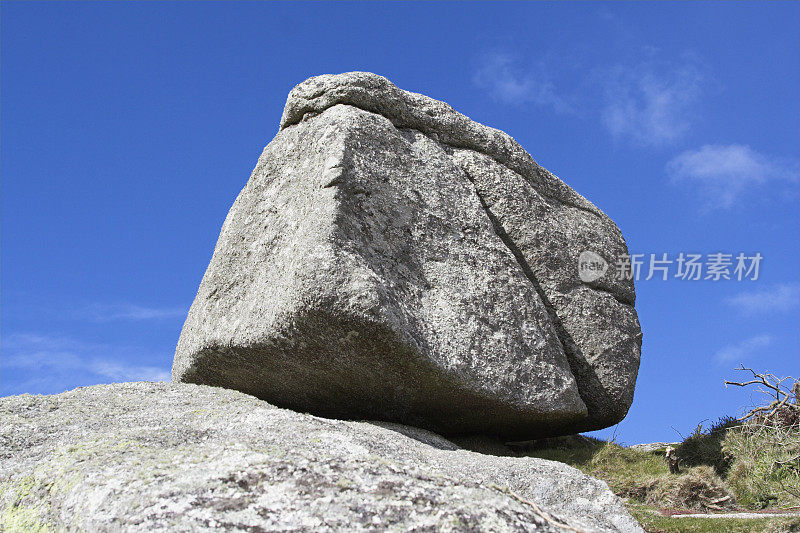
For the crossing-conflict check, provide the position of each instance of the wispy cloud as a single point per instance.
(110, 312)
(49, 364)
(743, 350)
(500, 75)
(781, 297)
(722, 173)
(648, 104)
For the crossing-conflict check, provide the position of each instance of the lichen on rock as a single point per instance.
(137, 457)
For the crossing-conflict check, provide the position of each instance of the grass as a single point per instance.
(654, 522)
(643, 480)
(644, 477)
(765, 467)
(704, 446)
(745, 464)
(622, 468)
(697, 489)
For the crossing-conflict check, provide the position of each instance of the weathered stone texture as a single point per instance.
(390, 258)
(183, 457)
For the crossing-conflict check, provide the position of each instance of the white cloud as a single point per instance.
(119, 371)
(107, 312)
(500, 75)
(782, 297)
(743, 350)
(650, 103)
(650, 106)
(723, 172)
(48, 362)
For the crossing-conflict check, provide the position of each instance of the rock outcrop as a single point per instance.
(391, 259)
(182, 457)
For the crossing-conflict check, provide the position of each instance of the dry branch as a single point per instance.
(784, 396)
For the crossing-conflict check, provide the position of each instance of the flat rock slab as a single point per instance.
(653, 446)
(182, 457)
(389, 258)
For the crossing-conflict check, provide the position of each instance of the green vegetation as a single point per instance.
(698, 489)
(704, 447)
(655, 522)
(643, 480)
(743, 465)
(644, 477)
(766, 462)
(623, 469)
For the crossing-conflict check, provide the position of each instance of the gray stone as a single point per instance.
(389, 258)
(182, 457)
(652, 447)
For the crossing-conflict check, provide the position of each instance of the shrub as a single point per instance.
(704, 447)
(765, 449)
(699, 488)
(766, 461)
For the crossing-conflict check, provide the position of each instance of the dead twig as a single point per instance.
(785, 397)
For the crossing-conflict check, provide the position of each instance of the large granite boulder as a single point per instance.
(391, 259)
(183, 457)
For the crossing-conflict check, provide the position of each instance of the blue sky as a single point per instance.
(129, 128)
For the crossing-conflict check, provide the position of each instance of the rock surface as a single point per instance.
(389, 258)
(650, 447)
(182, 457)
